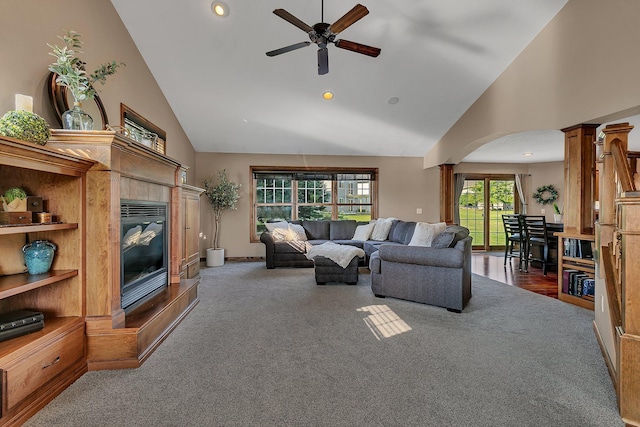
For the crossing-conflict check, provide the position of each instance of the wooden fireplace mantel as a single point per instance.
(125, 170)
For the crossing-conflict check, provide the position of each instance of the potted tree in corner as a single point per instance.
(222, 196)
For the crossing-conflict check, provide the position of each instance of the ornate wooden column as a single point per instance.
(447, 193)
(579, 178)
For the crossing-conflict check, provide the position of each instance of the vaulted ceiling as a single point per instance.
(437, 58)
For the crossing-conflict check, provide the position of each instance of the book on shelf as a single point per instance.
(588, 287)
(575, 248)
(20, 322)
(565, 279)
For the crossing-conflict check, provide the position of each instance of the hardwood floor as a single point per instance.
(491, 265)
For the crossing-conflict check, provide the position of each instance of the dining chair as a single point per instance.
(536, 235)
(514, 237)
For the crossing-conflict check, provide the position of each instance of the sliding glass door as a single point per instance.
(484, 199)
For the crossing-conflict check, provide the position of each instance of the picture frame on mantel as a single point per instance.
(142, 130)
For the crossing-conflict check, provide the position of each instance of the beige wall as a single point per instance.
(26, 26)
(582, 68)
(404, 186)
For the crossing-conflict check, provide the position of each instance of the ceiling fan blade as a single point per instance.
(323, 61)
(358, 12)
(293, 20)
(288, 48)
(358, 47)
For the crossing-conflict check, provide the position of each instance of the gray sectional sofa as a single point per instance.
(438, 275)
(292, 254)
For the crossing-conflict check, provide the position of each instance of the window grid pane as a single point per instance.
(274, 197)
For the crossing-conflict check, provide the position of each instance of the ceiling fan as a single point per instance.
(323, 33)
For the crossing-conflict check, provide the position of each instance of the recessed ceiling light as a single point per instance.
(528, 153)
(328, 95)
(393, 100)
(220, 8)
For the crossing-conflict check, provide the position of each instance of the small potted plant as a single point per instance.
(557, 215)
(71, 73)
(14, 200)
(222, 196)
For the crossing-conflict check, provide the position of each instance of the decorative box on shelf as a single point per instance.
(7, 218)
(34, 204)
(43, 217)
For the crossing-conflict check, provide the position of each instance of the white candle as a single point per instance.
(24, 102)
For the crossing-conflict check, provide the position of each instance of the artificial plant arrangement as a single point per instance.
(71, 70)
(222, 196)
(14, 200)
(556, 209)
(26, 126)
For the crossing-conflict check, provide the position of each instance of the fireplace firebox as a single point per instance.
(144, 257)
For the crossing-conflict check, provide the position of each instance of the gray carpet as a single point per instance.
(270, 348)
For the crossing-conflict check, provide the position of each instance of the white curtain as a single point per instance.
(520, 185)
(458, 186)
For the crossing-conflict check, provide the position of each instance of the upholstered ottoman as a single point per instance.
(329, 271)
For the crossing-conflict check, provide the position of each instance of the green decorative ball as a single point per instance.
(26, 126)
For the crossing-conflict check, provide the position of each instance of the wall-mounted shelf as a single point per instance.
(35, 228)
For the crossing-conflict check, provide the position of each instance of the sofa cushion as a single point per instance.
(363, 232)
(316, 230)
(449, 237)
(401, 231)
(425, 232)
(356, 243)
(342, 229)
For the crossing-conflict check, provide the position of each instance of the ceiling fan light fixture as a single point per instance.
(220, 8)
(328, 95)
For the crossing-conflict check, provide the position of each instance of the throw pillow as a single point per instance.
(275, 225)
(424, 233)
(11, 256)
(296, 232)
(381, 229)
(443, 240)
(450, 236)
(363, 232)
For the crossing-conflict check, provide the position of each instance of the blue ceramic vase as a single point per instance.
(38, 256)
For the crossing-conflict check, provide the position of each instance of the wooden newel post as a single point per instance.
(579, 178)
(447, 193)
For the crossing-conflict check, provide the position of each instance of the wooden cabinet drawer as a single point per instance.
(193, 269)
(34, 370)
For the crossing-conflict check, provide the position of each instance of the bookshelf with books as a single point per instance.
(576, 271)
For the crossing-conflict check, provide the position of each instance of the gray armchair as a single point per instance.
(439, 276)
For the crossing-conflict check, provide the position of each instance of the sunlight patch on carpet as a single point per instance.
(384, 322)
